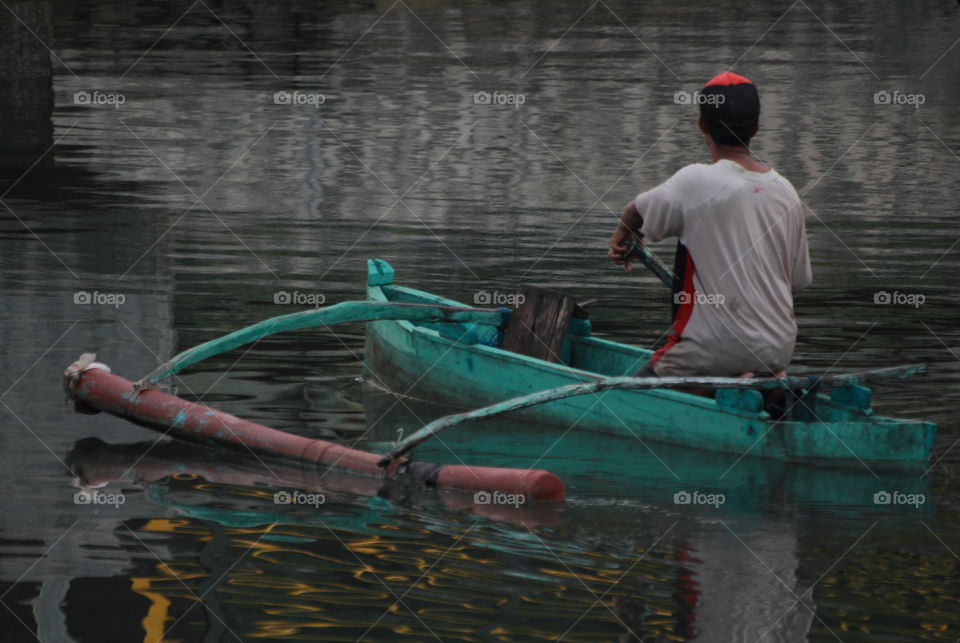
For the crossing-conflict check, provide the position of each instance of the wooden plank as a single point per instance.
(539, 323)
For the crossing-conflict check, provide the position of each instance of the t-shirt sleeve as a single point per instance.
(661, 212)
(802, 274)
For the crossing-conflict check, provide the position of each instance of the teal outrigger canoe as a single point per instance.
(461, 364)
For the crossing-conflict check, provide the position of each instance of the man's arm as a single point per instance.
(629, 224)
(661, 217)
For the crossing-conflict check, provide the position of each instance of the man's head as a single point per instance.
(730, 109)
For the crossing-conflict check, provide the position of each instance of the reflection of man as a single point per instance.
(742, 251)
(728, 595)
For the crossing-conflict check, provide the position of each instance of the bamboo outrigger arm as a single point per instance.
(348, 311)
(639, 383)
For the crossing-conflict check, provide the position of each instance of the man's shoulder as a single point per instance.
(782, 180)
(693, 172)
(698, 182)
(712, 176)
(700, 175)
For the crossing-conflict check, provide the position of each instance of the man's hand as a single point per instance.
(618, 253)
(629, 221)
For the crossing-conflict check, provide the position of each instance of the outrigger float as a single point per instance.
(94, 388)
(427, 346)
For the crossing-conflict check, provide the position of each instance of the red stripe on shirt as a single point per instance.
(684, 310)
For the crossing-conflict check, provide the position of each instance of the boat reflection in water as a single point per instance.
(710, 494)
(594, 465)
(379, 560)
(330, 558)
(267, 491)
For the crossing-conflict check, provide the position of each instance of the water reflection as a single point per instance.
(273, 488)
(343, 568)
(657, 571)
(26, 103)
(594, 465)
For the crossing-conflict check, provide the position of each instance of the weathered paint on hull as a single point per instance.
(417, 361)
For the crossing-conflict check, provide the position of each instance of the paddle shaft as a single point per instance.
(641, 253)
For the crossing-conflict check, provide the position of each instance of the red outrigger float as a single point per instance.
(93, 388)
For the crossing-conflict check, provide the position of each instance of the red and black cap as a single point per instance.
(730, 106)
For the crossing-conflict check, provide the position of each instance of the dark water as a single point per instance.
(200, 198)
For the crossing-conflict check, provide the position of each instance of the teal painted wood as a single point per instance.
(729, 386)
(416, 360)
(733, 393)
(348, 311)
(630, 470)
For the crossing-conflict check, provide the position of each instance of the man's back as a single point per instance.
(744, 236)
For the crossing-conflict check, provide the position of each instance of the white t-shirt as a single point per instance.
(746, 240)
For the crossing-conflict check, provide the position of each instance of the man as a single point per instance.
(742, 249)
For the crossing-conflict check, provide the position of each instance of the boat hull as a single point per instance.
(417, 361)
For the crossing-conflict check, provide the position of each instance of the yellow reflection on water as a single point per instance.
(337, 573)
(157, 614)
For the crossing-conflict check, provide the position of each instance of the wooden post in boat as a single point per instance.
(538, 323)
